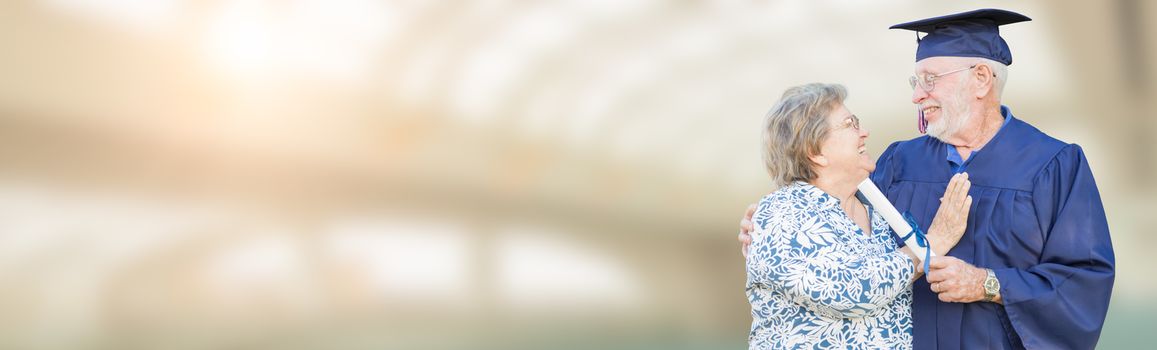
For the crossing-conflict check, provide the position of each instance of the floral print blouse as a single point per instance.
(815, 280)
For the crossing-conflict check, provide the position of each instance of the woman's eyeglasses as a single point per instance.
(852, 122)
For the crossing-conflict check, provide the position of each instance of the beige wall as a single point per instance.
(375, 174)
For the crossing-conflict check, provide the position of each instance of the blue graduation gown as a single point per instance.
(1036, 220)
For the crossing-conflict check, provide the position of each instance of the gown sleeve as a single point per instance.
(883, 177)
(797, 254)
(1061, 302)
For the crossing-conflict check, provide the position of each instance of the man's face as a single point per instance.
(946, 107)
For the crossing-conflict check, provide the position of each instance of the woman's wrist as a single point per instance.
(917, 261)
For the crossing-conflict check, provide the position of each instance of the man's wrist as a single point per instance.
(936, 244)
(991, 286)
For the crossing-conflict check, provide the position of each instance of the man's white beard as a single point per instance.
(954, 113)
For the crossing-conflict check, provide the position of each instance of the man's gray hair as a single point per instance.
(795, 128)
(1000, 70)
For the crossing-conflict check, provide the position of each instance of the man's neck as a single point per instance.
(973, 138)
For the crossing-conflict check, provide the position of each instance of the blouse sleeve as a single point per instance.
(797, 254)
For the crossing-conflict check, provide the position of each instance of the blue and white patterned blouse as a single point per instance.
(816, 281)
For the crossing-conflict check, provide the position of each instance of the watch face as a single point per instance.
(991, 284)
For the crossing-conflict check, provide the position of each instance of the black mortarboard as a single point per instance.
(966, 34)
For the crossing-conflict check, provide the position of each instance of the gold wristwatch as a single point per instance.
(991, 285)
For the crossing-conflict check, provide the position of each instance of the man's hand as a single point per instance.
(955, 280)
(745, 229)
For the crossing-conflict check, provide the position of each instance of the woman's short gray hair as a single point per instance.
(795, 128)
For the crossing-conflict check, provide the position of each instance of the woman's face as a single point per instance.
(845, 148)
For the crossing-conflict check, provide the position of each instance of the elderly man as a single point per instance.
(1035, 266)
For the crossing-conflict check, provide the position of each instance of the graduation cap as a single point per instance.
(966, 34)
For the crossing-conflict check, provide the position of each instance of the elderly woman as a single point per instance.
(823, 269)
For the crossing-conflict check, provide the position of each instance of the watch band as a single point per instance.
(991, 285)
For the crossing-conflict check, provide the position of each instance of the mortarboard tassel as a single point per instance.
(921, 123)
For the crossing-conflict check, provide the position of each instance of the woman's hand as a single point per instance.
(952, 217)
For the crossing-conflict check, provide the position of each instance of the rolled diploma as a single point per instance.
(891, 215)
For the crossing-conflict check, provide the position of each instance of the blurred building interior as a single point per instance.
(361, 174)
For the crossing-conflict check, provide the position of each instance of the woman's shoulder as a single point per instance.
(787, 200)
(795, 192)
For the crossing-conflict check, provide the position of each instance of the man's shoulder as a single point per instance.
(1023, 153)
(1026, 142)
(1027, 134)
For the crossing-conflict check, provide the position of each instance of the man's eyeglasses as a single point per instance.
(928, 82)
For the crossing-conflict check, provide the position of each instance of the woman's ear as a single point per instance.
(819, 160)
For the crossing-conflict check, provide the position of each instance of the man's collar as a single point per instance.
(954, 157)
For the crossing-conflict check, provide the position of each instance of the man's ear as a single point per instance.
(985, 80)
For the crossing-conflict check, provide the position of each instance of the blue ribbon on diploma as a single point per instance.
(921, 240)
